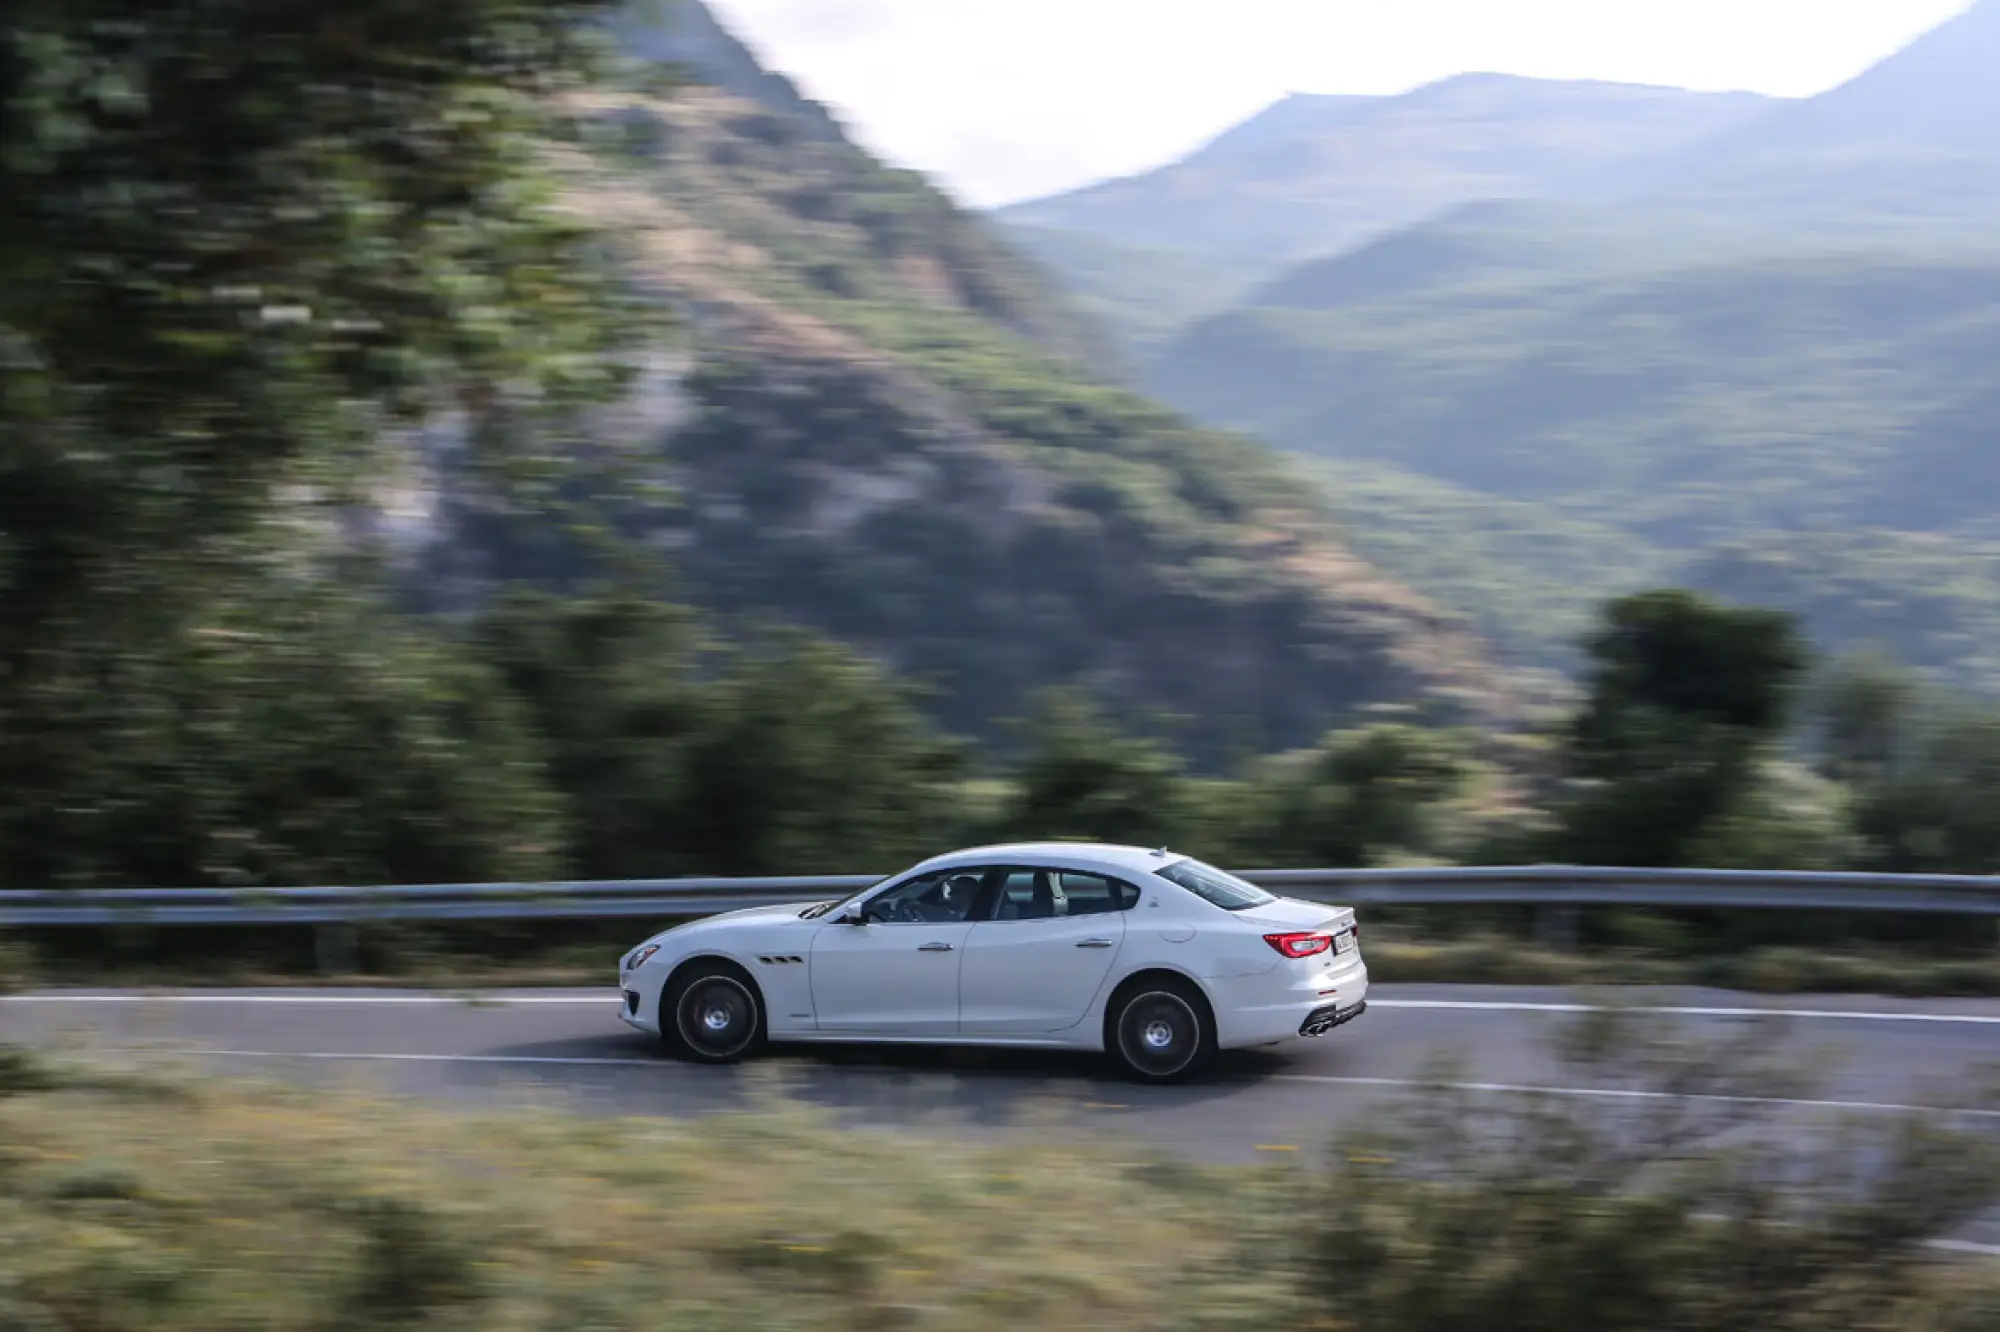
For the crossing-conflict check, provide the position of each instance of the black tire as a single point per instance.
(1160, 1030)
(711, 1013)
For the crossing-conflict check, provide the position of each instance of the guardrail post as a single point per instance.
(1556, 927)
(336, 949)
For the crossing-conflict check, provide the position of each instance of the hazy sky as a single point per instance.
(1005, 99)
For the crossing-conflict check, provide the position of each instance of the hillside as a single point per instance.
(1839, 387)
(1141, 295)
(1682, 401)
(1924, 598)
(1314, 175)
(883, 430)
(1530, 577)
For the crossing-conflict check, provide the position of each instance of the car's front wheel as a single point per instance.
(1160, 1031)
(711, 1013)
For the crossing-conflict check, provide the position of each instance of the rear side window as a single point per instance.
(1046, 894)
(1093, 894)
(1212, 885)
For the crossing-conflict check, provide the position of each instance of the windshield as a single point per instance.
(822, 908)
(1212, 885)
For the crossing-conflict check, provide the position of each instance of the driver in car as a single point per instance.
(952, 899)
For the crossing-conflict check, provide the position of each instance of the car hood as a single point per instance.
(774, 915)
(790, 910)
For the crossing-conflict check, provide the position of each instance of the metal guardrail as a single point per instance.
(1547, 886)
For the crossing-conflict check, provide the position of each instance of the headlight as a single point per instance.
(638, 959)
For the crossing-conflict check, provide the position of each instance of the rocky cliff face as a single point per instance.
(885, 424)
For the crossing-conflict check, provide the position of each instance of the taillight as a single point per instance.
(1299, 945)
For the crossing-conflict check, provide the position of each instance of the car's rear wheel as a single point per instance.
(1160, 1031)
(711, 1013)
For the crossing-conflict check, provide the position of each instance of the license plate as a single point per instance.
(1343, 942)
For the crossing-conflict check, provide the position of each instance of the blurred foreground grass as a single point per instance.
(135, 1198)
(155, 1203)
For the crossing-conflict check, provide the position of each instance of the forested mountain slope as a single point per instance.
(887, 427)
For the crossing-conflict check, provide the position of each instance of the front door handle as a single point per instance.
(1095, 943)
(935, 948)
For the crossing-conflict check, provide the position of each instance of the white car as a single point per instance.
(1154, 958)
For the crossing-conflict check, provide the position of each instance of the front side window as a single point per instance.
(1214, 886)
(945, 897)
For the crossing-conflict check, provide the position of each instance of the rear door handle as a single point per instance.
(1095, 943)
(935, 948)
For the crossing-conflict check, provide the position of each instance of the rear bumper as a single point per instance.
(1249, 1012)
(1328, 1016)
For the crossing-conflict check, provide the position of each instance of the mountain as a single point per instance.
(1313, 175)
(1910, 146)
(1767, 364)
(884, 425)
(1939, 92)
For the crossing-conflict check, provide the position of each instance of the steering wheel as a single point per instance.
(907, 912)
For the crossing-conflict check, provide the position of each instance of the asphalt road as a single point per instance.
(568, 1045)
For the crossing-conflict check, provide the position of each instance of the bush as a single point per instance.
(1706, 1208)
(150, 1202)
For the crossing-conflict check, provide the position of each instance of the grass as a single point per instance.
(161, 1203)
(135, 1197)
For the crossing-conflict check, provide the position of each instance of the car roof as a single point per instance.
(1101, 856)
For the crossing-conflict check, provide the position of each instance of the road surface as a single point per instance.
(1882, 1054)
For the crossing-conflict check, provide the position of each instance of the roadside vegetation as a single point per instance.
(213, 674)
(133, 1197)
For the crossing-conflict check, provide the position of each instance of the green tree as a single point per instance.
(811, 760)
(1359, 796)
(1921, 765)
(242, 244)
(1862, 718)
(1084, 778)
(238, 240)
(609, 683)
(294, 736)
(1686, 697)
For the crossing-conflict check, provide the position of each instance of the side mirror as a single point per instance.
(854, 915)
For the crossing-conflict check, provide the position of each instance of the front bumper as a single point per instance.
(632, 1011)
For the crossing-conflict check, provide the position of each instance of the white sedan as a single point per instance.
(1154, 958)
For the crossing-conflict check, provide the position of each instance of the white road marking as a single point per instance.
(609, 998)
(1965, 1246)
(559, 1061)
(1678, 1010)
(247, 998)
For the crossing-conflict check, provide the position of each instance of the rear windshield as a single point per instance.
(1212, 885)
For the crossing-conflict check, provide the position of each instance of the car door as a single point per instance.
(897, 974)
(1048, 944)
